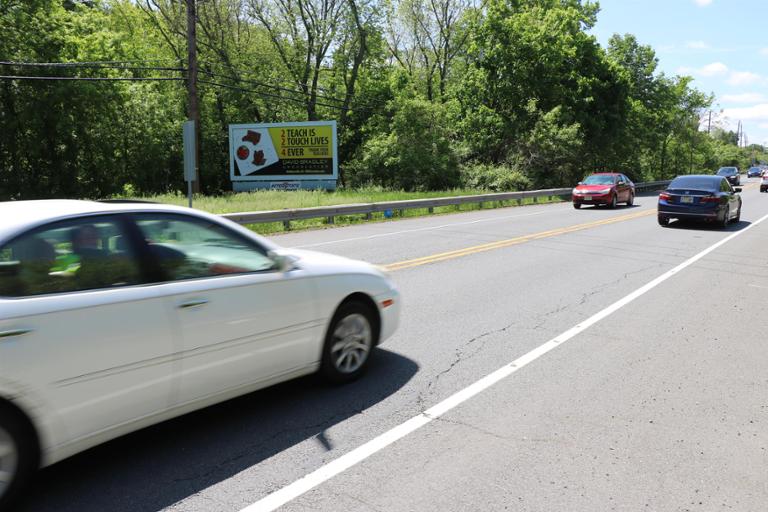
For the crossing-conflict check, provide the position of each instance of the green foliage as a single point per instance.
(531, 58)
(415, 152)
(79, 139)
(550, 154)
(492, 177)
(509, 94)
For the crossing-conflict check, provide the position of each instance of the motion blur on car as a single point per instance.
(731, 174)
(608, 188)
(764, 182)
(700, 198)
(754, 172)
(114, 317)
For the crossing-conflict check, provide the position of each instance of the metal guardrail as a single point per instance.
(367, 209)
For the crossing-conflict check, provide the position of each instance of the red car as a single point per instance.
(607, 188)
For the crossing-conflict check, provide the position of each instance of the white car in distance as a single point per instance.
(116, 316)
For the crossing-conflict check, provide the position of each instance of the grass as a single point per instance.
(278, 200)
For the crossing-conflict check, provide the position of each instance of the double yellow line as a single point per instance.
(434, 258)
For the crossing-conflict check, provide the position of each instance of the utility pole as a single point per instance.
(192, 103)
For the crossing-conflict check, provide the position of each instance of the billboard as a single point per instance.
(283, 156)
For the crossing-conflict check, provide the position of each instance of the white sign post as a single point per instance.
(189, 157)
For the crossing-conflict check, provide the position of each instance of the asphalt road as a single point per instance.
(660, 405)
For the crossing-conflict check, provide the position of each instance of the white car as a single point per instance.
(116, 316)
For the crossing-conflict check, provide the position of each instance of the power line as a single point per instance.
(263, 84)
(110, 63)
(92, 79)
(160, 79)
(105, 62)
(87, 65)
(268, 95)
(251, 73)
(175, 79)
(367, 107)
(120, 65)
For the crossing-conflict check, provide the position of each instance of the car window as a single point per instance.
(190, 248)
(599, 179)
(75, 255)
(725, 186)
(702, 183)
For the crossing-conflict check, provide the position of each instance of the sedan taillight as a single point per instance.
(709, 199)
(665, 196)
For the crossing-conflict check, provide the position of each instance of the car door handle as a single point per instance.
(194, 303)
(14, 332)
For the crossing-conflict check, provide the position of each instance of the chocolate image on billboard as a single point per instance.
(252, 137)
(243, 153)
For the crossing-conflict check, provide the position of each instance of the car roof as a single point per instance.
(20, 216)
(605, 174)
(690, 177)
(708, 176)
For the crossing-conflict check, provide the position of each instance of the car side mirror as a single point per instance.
(283, 263)
(580, 183)
(737, 189)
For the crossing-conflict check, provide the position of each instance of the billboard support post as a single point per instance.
(190, 164)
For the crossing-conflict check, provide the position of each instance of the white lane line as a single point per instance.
(333, 468)
(393, 233)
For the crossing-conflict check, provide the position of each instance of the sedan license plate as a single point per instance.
(587, 198)
(686, 199)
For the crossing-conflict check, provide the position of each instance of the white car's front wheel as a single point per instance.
(349, 343)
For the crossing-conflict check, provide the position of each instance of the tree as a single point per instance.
(538, 53)
(426, 36)
(302, 32)
(415, 152)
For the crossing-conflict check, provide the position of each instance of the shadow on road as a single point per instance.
(707, 226)
(161, 465)
(607, 209)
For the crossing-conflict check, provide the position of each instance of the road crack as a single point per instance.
(474, 428)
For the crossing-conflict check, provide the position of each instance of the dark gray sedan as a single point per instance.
(731, 174)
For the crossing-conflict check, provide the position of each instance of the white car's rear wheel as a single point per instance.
(349, 343)
(17, 456)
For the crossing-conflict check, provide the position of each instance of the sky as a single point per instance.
(722, 44)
